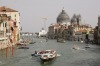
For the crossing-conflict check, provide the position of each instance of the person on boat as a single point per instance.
(35, 52)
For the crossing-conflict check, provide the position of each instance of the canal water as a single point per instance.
(68, 56)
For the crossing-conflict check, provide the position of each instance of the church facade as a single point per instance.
(67, 28)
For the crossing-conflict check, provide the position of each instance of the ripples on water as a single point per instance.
(69, 57)
(0, 62)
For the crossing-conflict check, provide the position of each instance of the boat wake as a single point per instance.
(58, 55)
(82, 49)
(76, 47)
(41, 41)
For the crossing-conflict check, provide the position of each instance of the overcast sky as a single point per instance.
(33, 11)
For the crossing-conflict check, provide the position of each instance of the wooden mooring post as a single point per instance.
(6, 52)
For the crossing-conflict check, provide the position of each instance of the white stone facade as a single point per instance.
(42, 33)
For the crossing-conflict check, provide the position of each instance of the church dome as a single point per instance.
(63, 17)
(74, 19)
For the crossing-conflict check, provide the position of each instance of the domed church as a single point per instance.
(63, 18)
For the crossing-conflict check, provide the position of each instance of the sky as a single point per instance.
(33, 12)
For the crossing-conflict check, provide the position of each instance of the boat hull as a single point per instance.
(23, 48)
(46, 60)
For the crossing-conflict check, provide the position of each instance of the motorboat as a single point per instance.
(82, 41)
(75, 47)
(61, 40)
(21, 44)
(87, 46)
(48, 55)
(32, 42)
(23, 47)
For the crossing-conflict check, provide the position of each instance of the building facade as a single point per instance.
(14, 15)
(42, 33)
(99, 29)
(68, 29)
(9, 30)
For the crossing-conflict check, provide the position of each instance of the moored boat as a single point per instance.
(61, 40)
(21, 44)
(32, 42)
(87, 46)
(23, 47)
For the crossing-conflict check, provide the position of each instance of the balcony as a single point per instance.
(3, 38)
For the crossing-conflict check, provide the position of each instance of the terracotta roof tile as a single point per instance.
(5, 9)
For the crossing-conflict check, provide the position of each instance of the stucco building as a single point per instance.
(14, 15)
(9, 27)
(42, 33)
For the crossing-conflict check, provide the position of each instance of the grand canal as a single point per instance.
(69, 56)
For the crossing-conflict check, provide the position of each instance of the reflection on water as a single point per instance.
(22, 57)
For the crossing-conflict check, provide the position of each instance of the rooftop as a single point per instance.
(6, 9)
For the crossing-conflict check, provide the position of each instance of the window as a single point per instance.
(5, 15)
(9, 17)
(5, 24)
(15, 15)
(7, 31)
(14, 23)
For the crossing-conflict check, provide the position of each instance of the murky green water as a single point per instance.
(69, 57)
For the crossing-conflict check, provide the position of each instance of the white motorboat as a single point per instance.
(82, 41)
(48, 55)
(75, 47)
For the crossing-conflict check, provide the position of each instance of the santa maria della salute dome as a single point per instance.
(63, 18)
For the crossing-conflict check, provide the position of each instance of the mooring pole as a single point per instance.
(6, 52)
